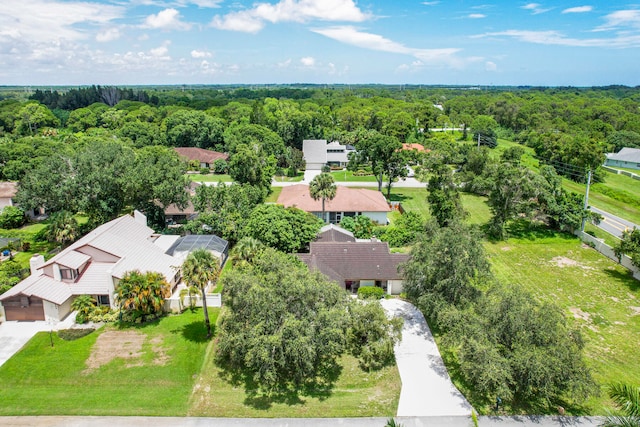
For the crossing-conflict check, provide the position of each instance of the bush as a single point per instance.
(370, 292)
(220, 166)
(74, 334)
(205, 171)
(12, 217)
(326, 169)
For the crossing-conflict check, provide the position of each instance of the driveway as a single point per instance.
(427, 389)
(14, 335)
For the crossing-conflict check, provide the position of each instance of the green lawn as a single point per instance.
(173, 374)
(599, 296)
(45, 380)
(347, 176)
(299, 177)
(197, 177)
(356, 394)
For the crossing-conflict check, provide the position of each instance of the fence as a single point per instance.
(621, 172)
(175, 304)
(606, 250)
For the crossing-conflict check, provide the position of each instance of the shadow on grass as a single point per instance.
(399, 197)
(625, 277)
(287, 393)
(526, 230)
(195, 331)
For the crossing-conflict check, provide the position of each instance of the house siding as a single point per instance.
(56, 312)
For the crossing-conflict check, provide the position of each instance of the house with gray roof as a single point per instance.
(318, 153)
(94, 265)
(625, 158)
(353, 263)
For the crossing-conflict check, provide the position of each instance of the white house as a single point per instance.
(318, 153)
(94, 265)
(348, 202)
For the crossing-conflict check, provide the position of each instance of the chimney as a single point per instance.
(36, 262)
(139, 217)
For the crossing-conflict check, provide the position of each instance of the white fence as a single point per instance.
(175, 304)
(608, 251)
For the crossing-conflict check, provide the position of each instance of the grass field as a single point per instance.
(197, 177)
(46, 380)
(599, 296)
(356, 394)
(171, 373)
(348, 176)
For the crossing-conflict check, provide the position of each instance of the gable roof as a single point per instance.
(8, 189)
(342, 261)
(626, 155)
(413, 146)
(200, 154)
(334, 233)
(346, 200)
(131, 245)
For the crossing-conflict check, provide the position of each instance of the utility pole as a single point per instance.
(586, 200)
(478, 140)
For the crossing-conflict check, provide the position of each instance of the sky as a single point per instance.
(153, 42)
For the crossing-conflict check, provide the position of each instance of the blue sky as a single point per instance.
(117, 42)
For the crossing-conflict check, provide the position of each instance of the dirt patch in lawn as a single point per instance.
(636, 310)
(562, 262)
(579, 314)
(125, 345)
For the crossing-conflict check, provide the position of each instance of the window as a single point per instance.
(103, 300)
(68, 274)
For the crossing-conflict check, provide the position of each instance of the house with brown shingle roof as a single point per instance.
(354, 264)
(206, 157)
(348, 202)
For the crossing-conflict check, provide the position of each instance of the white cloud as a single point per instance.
(578, 9)
(200, 54)
(168, 19)
(284, 64)
(352, 36)
(535, 8)
(42, 21)
(557, 38)
(621, 18)
(308, 61)
(476, 15)
(238, 21)
(430, 3)
(108, 35)
(490, 66)
(253, 20)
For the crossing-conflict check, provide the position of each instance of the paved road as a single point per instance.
(460, 421)
(612, 224)
(427, 389)
(406, 183)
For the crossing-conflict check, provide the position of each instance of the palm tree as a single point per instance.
(83, 304)
(199, 269)
(245, 250)
(323, 187)
(142, 294)
(63, 228)
(626, 398)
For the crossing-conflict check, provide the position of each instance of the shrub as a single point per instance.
(373, 292)
(205, 171)
(220, 166)
(326, 169)
(74, 334)
(12, 217)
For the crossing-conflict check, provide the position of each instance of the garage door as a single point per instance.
(24, 309)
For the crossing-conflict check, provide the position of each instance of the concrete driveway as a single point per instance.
(14, 335)
(427, 389)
